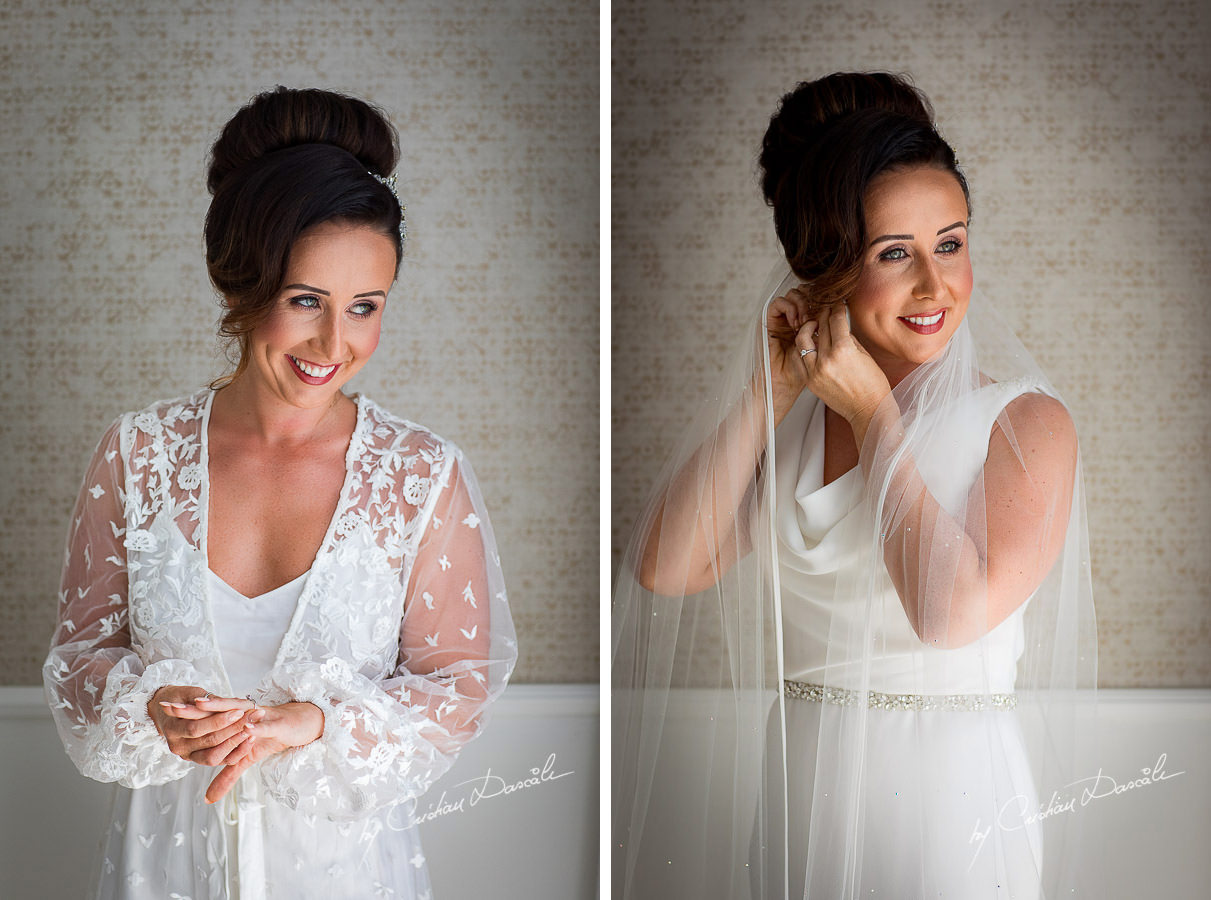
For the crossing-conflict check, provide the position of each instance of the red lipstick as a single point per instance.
(926, 329)
(311, 379)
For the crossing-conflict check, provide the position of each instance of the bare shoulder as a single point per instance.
(1038, 411)
(1035, 428)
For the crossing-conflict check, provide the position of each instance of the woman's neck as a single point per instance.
(254, 410)
(896, 370)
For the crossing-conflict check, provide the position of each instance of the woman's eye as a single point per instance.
(894, 250)
(306, 302)
(950, 246)
(362, 310)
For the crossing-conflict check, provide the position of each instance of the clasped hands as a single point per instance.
(229, 731)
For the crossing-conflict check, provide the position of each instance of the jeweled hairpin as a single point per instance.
(389, 184)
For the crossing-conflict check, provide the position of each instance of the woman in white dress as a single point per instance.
(862, 585)
(282, 613)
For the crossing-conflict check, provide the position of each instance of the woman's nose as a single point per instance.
(330, 337)
(928, 283)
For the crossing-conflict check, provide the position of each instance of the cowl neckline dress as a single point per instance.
(934, 777)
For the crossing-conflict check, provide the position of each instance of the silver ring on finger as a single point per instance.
(807, 351)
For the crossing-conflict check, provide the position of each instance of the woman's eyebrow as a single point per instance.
(315, 290)
(909, 237)
(305, 287)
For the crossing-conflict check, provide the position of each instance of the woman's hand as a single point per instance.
(838, 370)
(785, 318)
(270, 730)
(201, 731)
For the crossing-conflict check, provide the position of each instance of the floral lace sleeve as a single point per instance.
(97, 686)
(386, 741)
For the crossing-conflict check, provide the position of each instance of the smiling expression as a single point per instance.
(916, 277)
(326, 320)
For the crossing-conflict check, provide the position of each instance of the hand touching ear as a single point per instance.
(785, 318)
(838, 369)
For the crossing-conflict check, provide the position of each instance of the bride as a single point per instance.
(282, 613)
(863, 582)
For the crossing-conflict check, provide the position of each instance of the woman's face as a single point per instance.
(326, 321)
(916, 277)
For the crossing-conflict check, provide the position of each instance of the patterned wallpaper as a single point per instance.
(1082, 124)
(1083, 127)
(491, 338)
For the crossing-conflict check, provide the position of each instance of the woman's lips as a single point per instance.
(326, 371)
(926, 324)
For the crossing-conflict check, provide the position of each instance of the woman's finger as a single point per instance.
(242, 751)
(219, 754)
(186, 737)
(780, 317)
(802, 302)
(234, 740)
(222, 704)
(820, 337)
(777, 307)
(804, 340)
(835, 324)
(795, 306)
(838, 323)
(183, 710)
(226, 779)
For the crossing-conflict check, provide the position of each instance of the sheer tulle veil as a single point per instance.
(701, 760)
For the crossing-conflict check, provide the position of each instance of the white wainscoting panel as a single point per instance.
(538, 842)
(1147, 842)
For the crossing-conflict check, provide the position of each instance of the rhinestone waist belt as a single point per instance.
(802, 690)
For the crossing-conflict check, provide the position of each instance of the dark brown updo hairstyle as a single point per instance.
(828, 140)
(290, 160)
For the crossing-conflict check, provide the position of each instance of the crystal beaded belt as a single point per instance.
(802, 690)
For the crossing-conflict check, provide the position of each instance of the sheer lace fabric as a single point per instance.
(402, 636)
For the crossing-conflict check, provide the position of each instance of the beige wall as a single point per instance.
(491, 335)
(1083, 128)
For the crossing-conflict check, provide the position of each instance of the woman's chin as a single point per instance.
(907, 357)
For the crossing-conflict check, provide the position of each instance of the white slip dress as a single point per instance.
(250, 629)
(935, 779)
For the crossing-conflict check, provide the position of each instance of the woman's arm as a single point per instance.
(696, 533)
(97, 686)
(698, 530)
(956, 580)
(959, 580)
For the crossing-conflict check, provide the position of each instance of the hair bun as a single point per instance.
(287, 117)
(807, 112)
(824, 146)
(286, 162)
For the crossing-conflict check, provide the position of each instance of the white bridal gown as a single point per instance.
(934, 777)
(400, 632)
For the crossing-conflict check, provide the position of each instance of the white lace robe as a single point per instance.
(402, 636)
